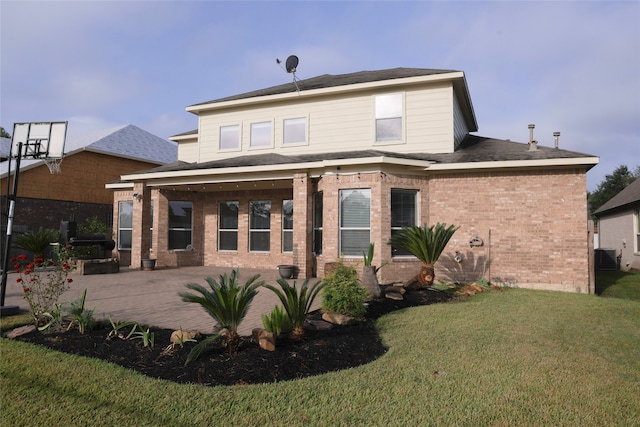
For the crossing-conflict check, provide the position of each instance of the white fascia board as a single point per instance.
(196, 109)
(283, 171)
(580, 161)
(119, 185)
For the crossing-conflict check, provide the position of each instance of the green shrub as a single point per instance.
(37, 241)
(296, 302)
(227, 302)
(343, 293)
(277, 322)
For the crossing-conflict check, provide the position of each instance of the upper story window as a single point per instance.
(228, 226)
(180, 224)
(404, 212)
(287, 226)
(261, 134)
(389, 117)
(355, 221)
(125, 224)
(230, 137)
(259, 225)
(295, 131)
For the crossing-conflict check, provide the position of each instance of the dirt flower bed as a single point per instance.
(340, 347)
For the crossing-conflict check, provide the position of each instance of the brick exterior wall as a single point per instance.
(533, 225)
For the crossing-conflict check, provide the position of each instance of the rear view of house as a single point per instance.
(312, 172)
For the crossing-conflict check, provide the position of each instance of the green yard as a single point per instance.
(512, 357)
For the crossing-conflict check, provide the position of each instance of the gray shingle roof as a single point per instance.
(124, 141)
(626, 198)
(330, 80)
(473, 149)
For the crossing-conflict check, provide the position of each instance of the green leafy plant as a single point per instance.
(368, 256)
(117, 327)
(43, 282)
(148, 338)
(37, 242)
(227, 303)
(277, 322)
(297, 302)
(54, 318)
(343, 293)
(80, 316)
(426, 244)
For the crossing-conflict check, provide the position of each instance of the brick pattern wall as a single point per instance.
(533, 225)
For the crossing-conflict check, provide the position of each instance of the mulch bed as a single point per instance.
(330, 350)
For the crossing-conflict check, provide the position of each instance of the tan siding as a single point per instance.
(188, 151)
(338, 123)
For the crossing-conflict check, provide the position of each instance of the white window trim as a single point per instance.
(170, 229)
(259, 230)
(417, 221)
(261, 147)
(403, 138)
(296, 144)
(227, 150)
(220, 229)
(120, 203)
(341, 228)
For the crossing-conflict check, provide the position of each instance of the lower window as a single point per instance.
(228, 226)
(180, 225)
(259, 225)
(125, 225)
(355, 221)
(403, 214)
(287, 226)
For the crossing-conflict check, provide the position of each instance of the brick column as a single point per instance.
(302, 224)
(140, 234)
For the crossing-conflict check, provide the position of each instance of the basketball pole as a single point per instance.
(5, 262)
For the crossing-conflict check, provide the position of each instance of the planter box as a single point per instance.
(98, 266)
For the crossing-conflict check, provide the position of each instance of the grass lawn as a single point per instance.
(618, 284)
(501, 358)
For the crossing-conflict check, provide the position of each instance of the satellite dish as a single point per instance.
(291, 64)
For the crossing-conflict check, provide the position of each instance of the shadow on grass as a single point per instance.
(619, 284)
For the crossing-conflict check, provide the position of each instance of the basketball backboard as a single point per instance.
(43, 140)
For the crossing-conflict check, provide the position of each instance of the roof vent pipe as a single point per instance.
(556, 136)
(533, 144)
(531, 126)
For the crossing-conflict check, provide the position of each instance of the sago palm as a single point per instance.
(425, 243)
(296, 302)
(227, 303)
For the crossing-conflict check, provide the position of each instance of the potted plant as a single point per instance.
(426, 244)
(370, 273)
(148, 264)
(287, 271)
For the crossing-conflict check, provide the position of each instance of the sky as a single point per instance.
(572, 66)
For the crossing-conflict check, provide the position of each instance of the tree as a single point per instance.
(4, 133)
(612, 185)
(426, 244)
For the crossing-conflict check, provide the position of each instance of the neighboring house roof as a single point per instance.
(329, 80)
(472, 150)
(127, 141)
(626, 198)
(5, 147)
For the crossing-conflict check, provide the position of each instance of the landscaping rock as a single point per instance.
(395, 289)
(181, 335)
(22, 330)
(337, 319)
(317, 325)
(267, 340)
(397, 296)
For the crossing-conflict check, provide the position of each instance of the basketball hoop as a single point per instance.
(53, 165)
